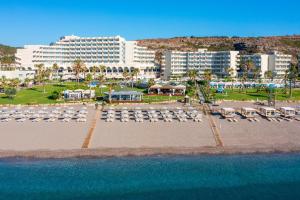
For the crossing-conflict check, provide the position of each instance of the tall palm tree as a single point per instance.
(135, 72)
(94, 70)
(292, 76)
(111, 87)
(42, 75)
(55, 69)
(101, 79)
(78, 67)
(192, 74)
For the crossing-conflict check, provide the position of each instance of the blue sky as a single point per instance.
(44, 21)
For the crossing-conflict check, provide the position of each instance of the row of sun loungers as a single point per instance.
(251, 114)
(152, 115)
(64, 114)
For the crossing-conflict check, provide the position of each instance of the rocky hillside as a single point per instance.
(286, 44)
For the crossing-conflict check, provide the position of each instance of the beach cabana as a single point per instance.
(125, 96)
(248, 112)
(227, 112)
(154, 89)
(287, 112)
(268, 112)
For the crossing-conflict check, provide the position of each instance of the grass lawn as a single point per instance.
(252, 94)
(36, 95)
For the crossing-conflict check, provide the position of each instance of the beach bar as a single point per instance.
(124, 96)
(287, 112)
(268, 112)
(248, 112)
(228, 112)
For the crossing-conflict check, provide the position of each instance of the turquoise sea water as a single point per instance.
(238, 177)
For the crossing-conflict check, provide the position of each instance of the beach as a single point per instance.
(60, 139)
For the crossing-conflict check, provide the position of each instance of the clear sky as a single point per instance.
(44, 21)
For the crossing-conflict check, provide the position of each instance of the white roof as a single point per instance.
(228, 109)
(268, 108)
(248, 109)
(287, 108)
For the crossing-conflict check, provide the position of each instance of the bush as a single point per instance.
(10, 92)
(55, 95)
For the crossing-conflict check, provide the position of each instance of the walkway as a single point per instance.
(87, 140)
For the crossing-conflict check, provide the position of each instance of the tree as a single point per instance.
(14, 83)
(151, 82)
(94, 70)
(3, 82)
(270, 75)
(42, 75)
(78, 67)
(111, 87)
(7, 61)
(102, 68)
(292, 76)
(192, 74)
(133, 74)
(27, 81)
(55, 69)
(10, 92)
(125, 75)
(101, 79)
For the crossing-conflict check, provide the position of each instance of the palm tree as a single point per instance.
(55, 69)
(78, 68)
(101, 79)
(94, 70)
(125, 75)
(42, 75)
(102, 68)
(151, 82)
(111, 87)
(268, 74)
(292, 76)
(3, 82)
(135, 72)
(14, 83)
(192, 74)
(207, 77)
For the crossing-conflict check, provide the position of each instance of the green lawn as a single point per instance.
(252, 94)
(36, 94)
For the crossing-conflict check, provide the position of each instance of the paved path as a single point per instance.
(214, 128)
(87, 140)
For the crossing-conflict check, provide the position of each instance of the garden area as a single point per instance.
(254, 94)
(44, 94)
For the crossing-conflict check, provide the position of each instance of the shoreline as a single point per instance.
(139, 152)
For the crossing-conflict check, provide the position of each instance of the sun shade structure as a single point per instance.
(248, 112)
(124, 96)
(228, 112)
(287, 111)
(78, 94)
(178, 90)
(268, 112)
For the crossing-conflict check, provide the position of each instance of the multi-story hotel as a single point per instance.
(279, 63)
(177, 63)
(117, 54)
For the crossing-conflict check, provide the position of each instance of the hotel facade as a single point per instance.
(115, 53)
(177, 63)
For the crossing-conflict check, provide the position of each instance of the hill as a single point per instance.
(286, 44)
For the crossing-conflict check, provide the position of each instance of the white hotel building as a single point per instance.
(177, 63)
(117, 54)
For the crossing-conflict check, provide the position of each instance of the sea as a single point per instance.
(211, 177)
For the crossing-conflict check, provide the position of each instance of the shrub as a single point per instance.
(10, 92)
(55, 95)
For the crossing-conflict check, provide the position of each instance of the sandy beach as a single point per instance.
(58, 139)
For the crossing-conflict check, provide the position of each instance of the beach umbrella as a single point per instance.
(124, 108)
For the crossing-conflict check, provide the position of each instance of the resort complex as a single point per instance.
(117, 97)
